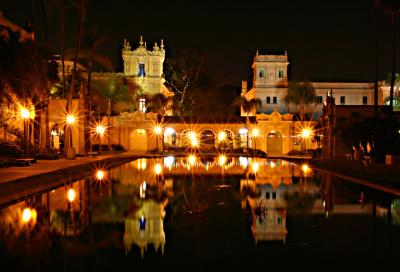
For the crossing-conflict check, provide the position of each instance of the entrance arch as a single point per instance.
(170, 137)
(274, 142)
(207, 138)
(138, 140)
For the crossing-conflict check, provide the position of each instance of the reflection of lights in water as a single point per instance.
(169, 161)
(157, 169)
(142, 189)
(100, 174)
(192, 159)
(243, 161)
(305, 168)
(142, 164)
(255, 166)
(142, 223)
(272, 164)
(323, 203)
(222, 160)
(71, 195)
(28, 214)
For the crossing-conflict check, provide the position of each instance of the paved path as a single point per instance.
(378, 176)
(9, 174)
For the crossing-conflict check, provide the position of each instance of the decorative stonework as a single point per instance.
(138, 116)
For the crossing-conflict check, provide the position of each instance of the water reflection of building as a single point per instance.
(144, 226)
(269, 213)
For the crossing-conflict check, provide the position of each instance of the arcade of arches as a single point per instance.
(276, 133)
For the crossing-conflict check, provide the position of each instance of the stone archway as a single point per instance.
(207, 138)
(274, 142)
(138, 140)
(170, 137)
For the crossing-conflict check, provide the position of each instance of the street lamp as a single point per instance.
(100, 130)
(255, 133)
(306, 133)
(157, 131)
(70, 120)
(25, 115)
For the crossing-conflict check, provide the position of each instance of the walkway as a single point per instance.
(20, 181)
(378, 176)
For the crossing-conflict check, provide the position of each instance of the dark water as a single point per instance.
(201, 212)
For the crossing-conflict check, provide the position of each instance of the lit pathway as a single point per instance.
(17, 183)
(378, 176)
(9, 174)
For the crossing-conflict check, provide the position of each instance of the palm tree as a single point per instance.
(91, 54)
(302, 95)
(159, 103)
(392, 7)
(112, 93)
(247, 105)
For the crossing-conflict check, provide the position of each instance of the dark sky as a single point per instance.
(326, 40)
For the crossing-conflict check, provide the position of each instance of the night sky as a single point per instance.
(325, 40)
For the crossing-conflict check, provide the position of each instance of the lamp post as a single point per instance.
(255, 133)
(157, 131)
(306, 134)
(70, 120)
(100, 130)
(25, 114)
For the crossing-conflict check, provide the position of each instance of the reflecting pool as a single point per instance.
(150, 213)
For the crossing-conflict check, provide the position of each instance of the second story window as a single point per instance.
(342, 100)
(142, 71)
(142, 105)
(280, 73)
(319, 99)
(275, 100)
(268, 100)
(365, 100)
(261, 73)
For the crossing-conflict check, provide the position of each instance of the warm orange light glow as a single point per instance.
(70, 119)
(158, 169)
(193, 139)
(272, 164)
(142, 164)
(71, 195)
(221, 136)
(158, 130)
(255, 132)
(255, 166)
(100, 174)
(100, 129)
(28, 214)
(25, 114)
(192, 159)
(222, 160)
(306, 133)
(305, 168)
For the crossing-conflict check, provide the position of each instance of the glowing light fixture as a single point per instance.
(70, 119)
(243, 131)
(158, 130)
(25, 114)
(255, 132)
(100, 129)
(306, 133)
(243, 161)
(100, 174)
(221, 136)
(169, 161)
(71, 195)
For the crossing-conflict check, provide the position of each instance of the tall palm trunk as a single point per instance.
(376, 36)
(88, 111)
(109, 122)
(77, 47)
(63, 47)
(392, 80)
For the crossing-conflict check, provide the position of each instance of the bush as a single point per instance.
(117, 147)
(11, 149)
